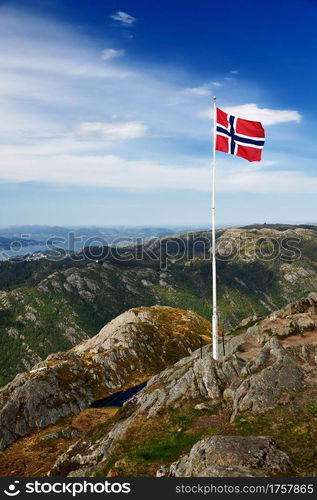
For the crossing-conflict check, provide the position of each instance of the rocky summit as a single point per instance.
(127, 351)
(251, 413)
(252, 398)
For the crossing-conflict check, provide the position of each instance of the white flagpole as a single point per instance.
(213, 266)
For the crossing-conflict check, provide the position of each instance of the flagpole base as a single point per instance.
(215, 351)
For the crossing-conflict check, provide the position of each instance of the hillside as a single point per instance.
(72, 305)
(49, 306)
(6, 243)
(242, 416)
(259, 268)
(251, 414)
(126, 352)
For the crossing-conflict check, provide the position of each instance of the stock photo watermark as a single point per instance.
(185, 249)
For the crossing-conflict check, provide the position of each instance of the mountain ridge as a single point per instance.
(53, 305)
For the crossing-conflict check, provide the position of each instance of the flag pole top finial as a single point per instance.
(215, 98)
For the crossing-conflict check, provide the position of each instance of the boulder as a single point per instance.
(230, 456)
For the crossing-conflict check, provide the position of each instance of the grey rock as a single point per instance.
(295, 318)
(67, 433)
(162, 471)
(230, 456)
(82, 456)
(202, 406)
(305, 305)
(270, 374)
(246, 321)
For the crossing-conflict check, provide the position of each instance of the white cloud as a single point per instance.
(117, 172)
(196, 91)
(115, 131)
(249, 179)
(206, 113)
(123, 18)
(60, 66)
(234, 72)
(204, 89)
(31, 45)
(264, 115)
(253, 112)
(111, 53)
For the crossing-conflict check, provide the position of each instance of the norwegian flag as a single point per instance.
(239, 137)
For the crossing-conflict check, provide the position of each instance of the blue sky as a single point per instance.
(106, 114)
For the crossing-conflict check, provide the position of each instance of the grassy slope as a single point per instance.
(150, 442)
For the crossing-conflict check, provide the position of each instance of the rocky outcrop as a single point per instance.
(41, 398)
(130, 349)
(305, 305)
(296, 318)
(230, 456)
(190, 379)
(269, 376)
(274, 377)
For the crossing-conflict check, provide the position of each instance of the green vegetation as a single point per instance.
(150, 442)
(294, 431)
(16, 273)
(48, 306)
(238, 331)
(167, 450)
